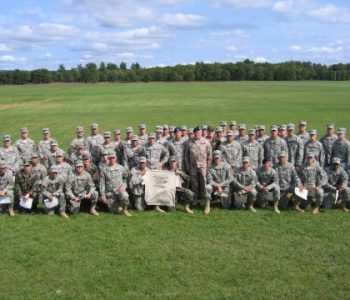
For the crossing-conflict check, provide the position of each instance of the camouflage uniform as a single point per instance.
(341, 149)
(112, 179)
(10, 157)
(51, 158)
(267, 179)
(7, 185)
(133, 156)
(77, 142)
(177, 149)
(27, 184)
(304, 137)
(93, 145)
(41, 173)
(315, 148)
(242, 139)
(232, 154)
(137, 189)
(255, 152)
(54, 188)
(155, 154)
(243, 178)
(44, 148)
(327, 143)
(295, 150)
(272, 147)
(64, 170)
(25, 148)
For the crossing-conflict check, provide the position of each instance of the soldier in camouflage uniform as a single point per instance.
(79, 187)
(94, 142)
(113, 186)
(341, 149)
(143, 136)
(156, 154)
(303, 132)
(337, 182)
(313, 178)
(232, 151)
(282, 131)
(261, 137)
(136, 185)
(242, 137)
(219, 180)
(327, 142)
(119, 148)
(233, 128)
(41, 173)
(104, 162)
(171, 133)
(134, 153)
(92, 169)
(108, 143)
(268, 182)
(44, 144)
(274, 145)
(129, 133)
(52, 187)
(204, 129)
(315, 147)
(64, 169)
(51, 155)
(223, 125)
(288, 181)
(159, 135)
(9, 155)
(166, 132)
(77, 153)
(197, 163)
(244, 183)
(176, 147)
(78, 140)
(253, 150)
(6, 187)
(295, 148)
(25, 145)
(184, 133)
(26, 182)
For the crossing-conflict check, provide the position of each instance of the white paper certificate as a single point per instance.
(51, 204)
(5, 200)
(27, 204)
(300, 194)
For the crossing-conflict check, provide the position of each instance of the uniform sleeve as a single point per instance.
(91, 184)
(44, 190)
(275, 181)
(300, 153)
(228, 179)
(69, 187)
(165, 155)
(102, 183)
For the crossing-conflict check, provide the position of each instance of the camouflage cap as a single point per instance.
(223, 123)
(274, 128)
(330, 126)
(134, 138)
(142, 126)
(116, 131)
(105, 152)
(111, 154)
(336, 160)
(80, 145)
(53, 143)
(59, 153)
(211, 128)
(3, 165)
(53, 169)
(218, 129)
(262, 127)
(86, 155)
(190, 130)
(24, 130)
(172, 158)
(251, 132)
(172, 128)
(313, 132)
(27, 163)
(242, 127)
(234, 123)
(151, 135)
(196, 129)
(290, 126)
(204, 127)
(229, 133)
(165, 127)
(79, 129)
(310, 154)
(282, 127)
(282, 153)
(246, 159)
(302, 123)
(159, 127)
(79, 163)
(142, 159)
(6, 137)
(107, 134)
(129, 130)
(217, 153)
(94, 126)
(183, 127)
(46, 130)
(35, 155)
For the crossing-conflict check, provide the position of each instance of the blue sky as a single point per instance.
(43, 34)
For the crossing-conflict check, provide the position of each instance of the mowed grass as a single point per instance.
(228, 254)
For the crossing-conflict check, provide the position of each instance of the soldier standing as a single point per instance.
(327, 142)
(136, 185)
(315, 147)
(44, 144)
(253, 150)
(232, 151)
(156, 154)
(6, 187)
(274, 145)
(295, 148)
(25, 145)
(341, 149)
(78, 140)
(303, 132)
(94, 142)
(9, 155)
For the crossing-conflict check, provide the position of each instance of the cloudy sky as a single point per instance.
(36, 34)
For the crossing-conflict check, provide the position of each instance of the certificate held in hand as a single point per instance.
(26, 203)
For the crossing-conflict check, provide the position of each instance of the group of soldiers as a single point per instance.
(232, 165)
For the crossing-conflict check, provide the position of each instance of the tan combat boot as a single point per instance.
(64, 215)
(251, 208)
(11, 212)
(275, 207)
(207, 207)
(93, 211)
(126, 212)
(316, 210)
(158, 209)
(187, 209)
(297, 208)
(343, 206)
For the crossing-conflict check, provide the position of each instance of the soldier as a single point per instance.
(136, 185)
(253, 150)
(171, 133)
(134, 153)
(204, 129)
(232, 151)
(327, 142)
(274, 145)
(244, 183)
(78, 140)
(166, 132)
(176, 147)
(197, 164)
(159, 135)
(303, 132)
(288, 181)
(94, 142)
(77, 153)
(25, 145)
(52, 187)
(6, 188)
(156, 154)
(210, 137)
(113, 186)
(282, 131)
(51, 155)
(315, 147)
(64, 169)
(183, 182)
(219, 134)
(233, 128)
(223, 125)
(268, 182)
(184, 135)
(26, 182)
(92, 169)
(104, 162)
(9, 155)
(44, 144)
(341, 149)
(190, 133)
(295, 148)
(80, 187)
(261, 136)
(337, 184)
(242, 137)
(119, 148)
(313, 178)
(219, 180)
(143, 137)
(129, 133)
(40, 172)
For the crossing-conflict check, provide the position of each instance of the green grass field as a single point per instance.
(228, 254)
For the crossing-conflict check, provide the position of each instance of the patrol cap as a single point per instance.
(229, 133)
(177, 129)
(330, 125)
(342, 130)
(105, 152)
(46, 130)
(313, 131)
(274, 128)
(223, 123)
(35, 155)
(241, 126)
(211, 128)
(233, 123)
(151, 135)
(218, 129)
(204, 127)
(53, 143)
(165, 127)
(107, 134)
(53, 169)
(282, 153)
(190, 130)
(183, 127)
(116, 131)
(3, 165)
(6, 137)
(159, 128)
(336, 160)
(27, 163)
(265, 160)
(251, 132)
(59, 153)
(79, 163)
(246, 159)
(196, 129)
(24, 130)
(310, 154)
(86, 155)
(94, 126)
(79, 129)
(261, 127)
(256, 127)
(282, 127)
(128, 129)
(111, 154)
(217, 153)
(172, 128)
(142, 159)
(290, 126)
(134, 138)
(142, 126)
(302, 123)
(172, 158)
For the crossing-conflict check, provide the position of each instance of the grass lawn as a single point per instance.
(228, 254)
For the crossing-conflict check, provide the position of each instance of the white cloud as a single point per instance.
(295, 48)
(4, 47)
(259, 59)
(48, 54)
(331, 13)
(182, 20)
(11, 58)
(239, 4)
(231, 48)
(325, 50)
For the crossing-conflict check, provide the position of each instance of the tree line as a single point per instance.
(245, 70)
